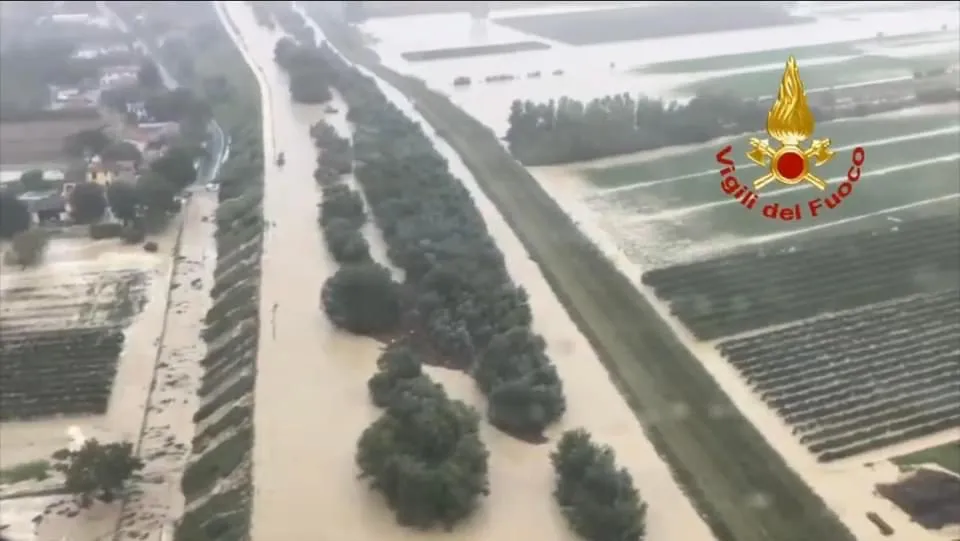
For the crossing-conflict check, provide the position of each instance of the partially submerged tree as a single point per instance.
(14, 214)
(155, 192)
(97, 470)
(88, 202)
(28, 247)
(396, 364)
(123, 199)
(424, 454)
(363, 299)
(597, 498)
(121, 151)
(176, 165)
(91, 141)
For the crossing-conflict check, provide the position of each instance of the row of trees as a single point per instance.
(342, 213)
(424, 453)
(308, 73)
(568, 130)
(461, 298)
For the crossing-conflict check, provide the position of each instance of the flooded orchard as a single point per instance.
(309, 368)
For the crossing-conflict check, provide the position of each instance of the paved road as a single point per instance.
(218, 142)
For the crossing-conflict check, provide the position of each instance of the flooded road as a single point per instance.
(311, 397)
(311, 392)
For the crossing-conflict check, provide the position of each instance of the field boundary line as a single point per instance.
(677, 212)
(601, 192)
(175, 263)
(778, 236)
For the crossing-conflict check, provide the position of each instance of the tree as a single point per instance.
(178, 105)
(28, 247)
(123, 199)
(176, 165)
(83, 142)
(33, 181)
(424, 453)
(97, 470)
(14, 214)
(396, 364)
(88, 202)
(121, 151)
(155, 193)
(362, 299)
(345, 241)
(149, 75)
(597, 498)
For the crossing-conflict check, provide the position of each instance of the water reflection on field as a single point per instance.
(590, 71)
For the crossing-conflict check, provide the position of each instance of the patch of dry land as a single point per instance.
(132, 319)
(615, 219)
(311, 394)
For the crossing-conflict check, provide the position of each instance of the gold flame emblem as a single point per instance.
(790, 122)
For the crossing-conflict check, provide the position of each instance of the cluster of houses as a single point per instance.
(133, 125)
(150, 138)
(50, 205)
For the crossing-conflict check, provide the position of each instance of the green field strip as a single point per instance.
(705, 188)
(734, 61)
(946, 456)
(693, 162)
(870, 195)
(862, 69)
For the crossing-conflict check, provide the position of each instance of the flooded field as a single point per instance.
(673, 195)
(665, 206)
(143, 394)
(308, 366)
(665, 67)
(651, 199)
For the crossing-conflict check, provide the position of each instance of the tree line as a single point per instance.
(461, 299)
(309, 79)
(424, 453)
(360, 296)
(568, 130)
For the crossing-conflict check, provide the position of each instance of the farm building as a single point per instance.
(104, 173)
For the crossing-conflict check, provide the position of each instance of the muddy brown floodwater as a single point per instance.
(311, 397)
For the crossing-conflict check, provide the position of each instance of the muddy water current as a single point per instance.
(311, 398)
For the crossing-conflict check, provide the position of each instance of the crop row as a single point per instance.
(217, 482)
(82, 280)
(790, 280)
(858, 380)
(66, 339)
(66, 372)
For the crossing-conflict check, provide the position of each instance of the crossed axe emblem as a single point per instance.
(797, 157)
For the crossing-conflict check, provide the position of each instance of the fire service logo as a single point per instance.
(789, 122)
